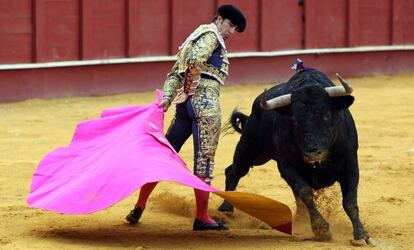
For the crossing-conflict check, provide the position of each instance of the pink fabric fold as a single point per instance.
(108, 159)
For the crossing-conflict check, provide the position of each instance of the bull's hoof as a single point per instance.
(363, 242)
(321, 230)
(325, 236)
(370, 242)
(226, 207)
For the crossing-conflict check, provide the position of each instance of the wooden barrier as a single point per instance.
(42, 31)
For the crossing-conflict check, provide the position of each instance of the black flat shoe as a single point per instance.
(134, 216)
(198, 225)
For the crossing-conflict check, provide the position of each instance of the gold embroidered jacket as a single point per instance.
(203, 54)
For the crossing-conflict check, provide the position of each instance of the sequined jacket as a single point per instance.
(202, 55)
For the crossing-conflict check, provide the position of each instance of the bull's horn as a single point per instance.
(345, 89)
(276, 102)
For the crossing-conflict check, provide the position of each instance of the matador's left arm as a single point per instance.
(196, 63)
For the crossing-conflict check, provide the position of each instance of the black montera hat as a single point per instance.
(234, 15)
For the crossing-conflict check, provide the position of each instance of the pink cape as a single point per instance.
(112, 156)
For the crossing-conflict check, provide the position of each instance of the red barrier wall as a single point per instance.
(280, 30)
(16, 44)
(48, 30)
(120, 78)
(103, 29)
(148, 31)
(370, 22)
(56, 30)
(326, 24)
(36, 31)
(403, 22)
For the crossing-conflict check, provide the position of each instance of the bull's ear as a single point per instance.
(341, 102)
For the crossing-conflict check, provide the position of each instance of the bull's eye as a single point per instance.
(293, 120)
(327, 116)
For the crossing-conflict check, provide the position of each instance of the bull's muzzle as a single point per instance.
(315, 156)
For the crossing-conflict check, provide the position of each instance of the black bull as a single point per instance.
(311, 134)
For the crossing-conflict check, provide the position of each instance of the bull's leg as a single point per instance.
(301, 210)
(320, 226)
(233, 174)
(240, 168)
(232, 180)
(244, 158)
(349, 187)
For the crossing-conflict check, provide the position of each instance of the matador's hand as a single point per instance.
(164, 104)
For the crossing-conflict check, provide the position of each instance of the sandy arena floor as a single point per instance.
(384, 115)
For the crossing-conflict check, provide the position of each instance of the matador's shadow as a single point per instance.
(156, 236)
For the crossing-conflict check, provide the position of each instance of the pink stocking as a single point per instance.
(144, 194)
(202, 205)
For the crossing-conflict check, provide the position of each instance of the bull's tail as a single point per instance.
(237, 122)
